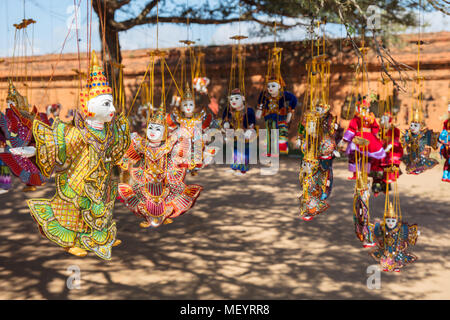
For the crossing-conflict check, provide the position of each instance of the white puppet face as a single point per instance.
(384, 121)
(155, 132)
(187, 107)
(415, 127)
(391, 223)
(273, 88)
(102, 107)
(237, 101)
(448, 108)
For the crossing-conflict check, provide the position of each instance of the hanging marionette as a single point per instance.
(444, 139)
(16, 124)
(192, 126)
(158, 193)
(326, 134)
(390, 136)
(82, 154)
(239, 117)
(393, 237)
(276, 105)
(418, 141)
(363, 124)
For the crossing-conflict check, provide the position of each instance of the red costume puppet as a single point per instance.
(362, 125)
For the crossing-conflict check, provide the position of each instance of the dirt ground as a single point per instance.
(242, 240)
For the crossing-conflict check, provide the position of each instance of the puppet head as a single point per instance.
(416, 121)
(390, 217)
(362, 107)
(156, 128)
(96, 98)
(237, 100)
(275, 86)
(187, 103)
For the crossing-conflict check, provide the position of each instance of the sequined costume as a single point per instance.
(158, 192)
(240, 120)
(80, 214)
(392, 245)
(16, 127)
(417, 158)
(189, 150)
(444, 139)
(275, 111)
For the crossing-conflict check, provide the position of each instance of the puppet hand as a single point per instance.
(226, 125)
(27, 152)
(298, 143)
(389, 147)
(336, 154)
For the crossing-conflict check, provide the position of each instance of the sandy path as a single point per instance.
(236, 244)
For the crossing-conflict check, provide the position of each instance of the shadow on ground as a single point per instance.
(242, 240)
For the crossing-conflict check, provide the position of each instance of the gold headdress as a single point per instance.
(187, 94)
(159, 116)
(97, 84)
(417, 115)
(14, 95)
(390, 212)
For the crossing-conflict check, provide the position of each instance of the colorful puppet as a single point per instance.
(362, 125)
(158, 193)
(418, 141)
(393, 238)
(276, 105)
(323, 128)
(16, 126)
(82, 154)
(192, 126)
(239, 117)
(390, 136)
(444, 139)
